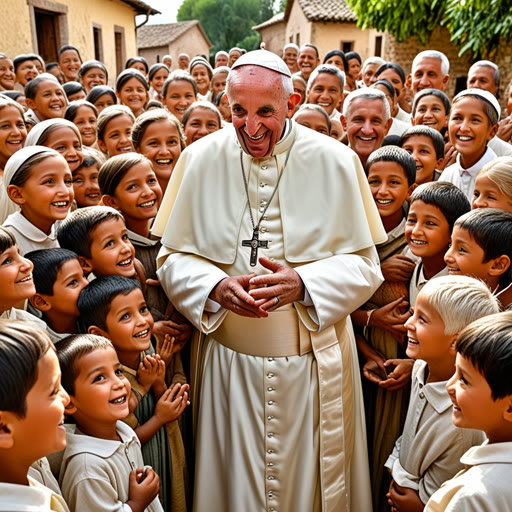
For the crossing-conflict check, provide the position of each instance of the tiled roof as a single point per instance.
(141, 7)
(326, 10)
(278, 18)
(150, 36)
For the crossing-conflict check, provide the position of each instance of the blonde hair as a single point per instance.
(499, 171)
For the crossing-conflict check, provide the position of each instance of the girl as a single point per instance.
(12, 137)
(395, 74)
(115, 130)
(7, 74)
(46, 98)
(62, 136)
(158, 136)
(102, 97)
(201, 119)
(431, 107)
(138, 63)
(202, 73)
(70, 62)
(158, 74)
(179, 92)
(219, 78)
(132, 90)
(85, 179)
(91, 74)
(221, 102)
(85, 116)
(74, 91)
(38, 180)
(493, 185)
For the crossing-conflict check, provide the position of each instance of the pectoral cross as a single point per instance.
(255, 243)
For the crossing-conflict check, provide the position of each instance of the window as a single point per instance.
(378, 46)
(120, 48)
(347, 46)
(98, 41)
(297, 39)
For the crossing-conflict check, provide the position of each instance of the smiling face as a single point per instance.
(7, 75)
(158, 80)
(290, 57)
(85, 121)
(259, 108)
(16, 278)
(488, 195)
(430, 111)
(307, 61)
(482, 77)
(85, 186)
(13, 133)
(26, 71)
(50, 100)
(427, 75)
(369, 74)
(394, 78)
(200, 75)
(200, 123)
(117, 136)
(337, 61)
(69, 63)
(314, 120)
(65, 141)
(421, 148)
(93, 77)
(179, 96)
(325, 91)
(134, 95)
(221, 60)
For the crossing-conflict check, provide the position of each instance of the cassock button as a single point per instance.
(270, 494)
(264, 167)
(270, 478)
(270, 434)
(270, 375)
(422, 395)
(263, 184)
(270, 359)
(263, 229)
(270, 451)
(270, 389)
(270, 464)
(270, 417)
(271, 402)
(265, 217)
(263, 202)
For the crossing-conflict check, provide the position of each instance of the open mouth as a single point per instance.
(125, 149)
(383, 201)
(125, 263)
(25, 279)
(61, 204)
(411, 341)
(366, 139)
(120, 400)
(148, 204)
(92, 196)
(254, 138)
(464, 138)
(164, 162)
(142, 334)
(452, 270)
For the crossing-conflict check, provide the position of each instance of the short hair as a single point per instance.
(499, 171)
(13, 95)
(115, 168)
(432, 92)
(395, 67)
(91, 64)
(489, 109)
(72, 109)
(459, 300)
(71, 88)
(447, 197)
(179, 75)
(388, 85)
(353, 55)
(133, 60)
(67, 47)
(314, 108)
(155, 68)
(109, 113)
(32, 87)
(47, 264)
(487, 344)
(76, 230)
(71, 349)
(488, 64)
(6, 101)
(91, 157)
(490, 228)
(425, 131)
(95, 299)
(127, 75)
(367, 94)
(20, 59)
(327, 69)
(22, 345)
(433, 54)
(152, 116)
(100, 90)
(397, 155)
(373, 61)
(340, 54)
(205, 105)
(7, 239)
(309, 45)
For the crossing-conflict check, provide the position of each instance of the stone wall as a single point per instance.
(274, 37)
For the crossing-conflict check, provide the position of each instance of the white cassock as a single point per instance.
(281, 424)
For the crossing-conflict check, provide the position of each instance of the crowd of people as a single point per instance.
(254, 284)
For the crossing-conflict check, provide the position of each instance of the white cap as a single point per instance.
(265, 59)
(486, 95)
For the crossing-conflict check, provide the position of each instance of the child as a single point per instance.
(114, 307)
(222, 103)
(219, 77)
(431, 107)
(428, 452)
(84, 115)
(132, 89)
(325, 88)
(433, 210)
(200, 119)
(75, 91)
(38, 180)
(426, 146)
(481, 247)
(473, 123)
(158, 135)
(481, 393)
(45, 98)
(314, 117)
(115, 130)
(102, 97)
(139, 64)
(157, 76)
(102, 467)
(32, 405)
(59, 279)
(179, 92)
(493, 185)
(85, 179)
(202, 73)
(91, 74)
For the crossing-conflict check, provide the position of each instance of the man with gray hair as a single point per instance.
(280, 424)
(290, 56)
(430, 70)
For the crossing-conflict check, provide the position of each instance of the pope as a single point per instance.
(268, 233)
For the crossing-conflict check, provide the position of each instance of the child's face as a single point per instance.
(138, 194)
(85, 121)
(50, 100)
(104, 101)
(93, 77)
(16, 278)
(430, 111)
(85, 186)
(389, 187)
(180, 95)
(488, 195)
(112, 253)
(66, 142)
(225, 109)
(80, 95)
(13, 133)
(101, 390)
(161, 145)
(422, 150)
(201, 122)
(134, 95)
(200, 75)
(219, 83)
(117, 137)
(314, 120)
(427, 230)
(129, 323)
(425, 332)
(325, 91)
(158, 80)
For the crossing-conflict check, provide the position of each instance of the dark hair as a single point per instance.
(95, 299)
(432, 92)
(14, 95)
(91, 64)
(67, 47)
(155, 68)
(72, 109)
(353, 55)
(314, 108)
(73, 88)
(204, 105)
(32, 87)
(132, 60)
(152, 104)
(395, 67)
(20, 59)
(447, 197)
(491, 229)
(71, 349)
(47, 264)
(218, 98)
(339, 53)
(307, 45)
(391, 140)
(51, 65)
(75, 231)
(7, 239)
(388, 85)
(100, 90)
(128, 74)
(397, 155)
(426, 131)
(115, 168)
(179, 75)
(487, 343)
(146, 118)
(22, 345)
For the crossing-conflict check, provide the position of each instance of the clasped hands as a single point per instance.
(255, 296)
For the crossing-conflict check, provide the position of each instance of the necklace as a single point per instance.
(255, 243)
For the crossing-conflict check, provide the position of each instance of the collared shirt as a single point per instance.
(34, 497)
(418, 281)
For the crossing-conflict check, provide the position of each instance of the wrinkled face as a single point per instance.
(26, 71)
(488, 195)
(482, 77)
(290, 57)
(221, 60)
(430, 111)
(314, 120)
(92, 78)
(325, 91)
(259, 108)
(70, 63)
(7, 75)
(201, 122)
(307, 61)
(427, 75)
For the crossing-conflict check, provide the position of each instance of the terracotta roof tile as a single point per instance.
(150, 36)
(327, 10)
(278, 18)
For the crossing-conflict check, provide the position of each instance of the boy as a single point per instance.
(481, 392)
(481, 247)
(433, 210)
(102, 467)
(314, 117)
(428, 452)
(325, 88)
(32, 405)
(426, 146)
(59, 279)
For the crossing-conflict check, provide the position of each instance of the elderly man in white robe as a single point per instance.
(280, 421)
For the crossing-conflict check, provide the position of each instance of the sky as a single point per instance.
(168, 8)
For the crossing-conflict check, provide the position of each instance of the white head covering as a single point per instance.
(221, 52)
(41, 128)
(291, 45)
(265, 59)
(486, 95)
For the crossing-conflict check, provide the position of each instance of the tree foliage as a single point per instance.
(476, 25)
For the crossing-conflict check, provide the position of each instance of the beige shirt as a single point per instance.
(418, 281)
(484, 484)
(429, 450)
(42, 473)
